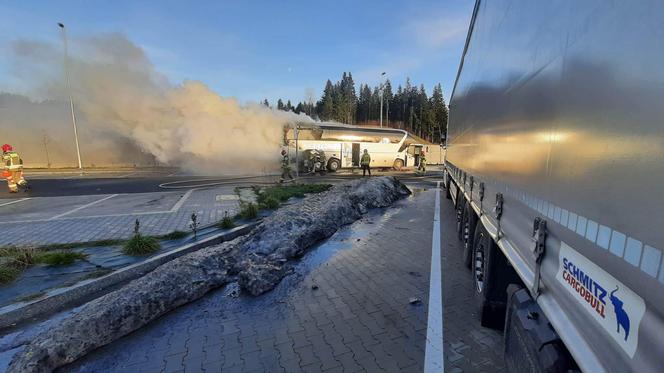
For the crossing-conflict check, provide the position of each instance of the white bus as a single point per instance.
(344, 144)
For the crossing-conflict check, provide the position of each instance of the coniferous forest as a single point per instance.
(408, 107)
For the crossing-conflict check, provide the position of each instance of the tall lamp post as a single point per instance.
(71, 100)
(382, 89)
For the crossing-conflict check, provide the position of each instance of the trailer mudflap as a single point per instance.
(531, 344)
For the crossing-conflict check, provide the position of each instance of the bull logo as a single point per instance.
(622, 319)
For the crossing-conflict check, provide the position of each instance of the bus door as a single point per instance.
(415, 151)
(356, 154)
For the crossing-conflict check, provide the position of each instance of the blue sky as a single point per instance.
(268, 49)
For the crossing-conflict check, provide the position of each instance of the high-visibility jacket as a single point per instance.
(12, 161)
(366, 159)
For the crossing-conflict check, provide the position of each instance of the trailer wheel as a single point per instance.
(447, 183)
(333, 164)
(461, 203)
(469, 226)
(490, 279)
(398, 164)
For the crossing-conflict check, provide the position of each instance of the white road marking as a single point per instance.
(15, 201)
(89, 217)
(434, 355)
(82, 207)
(226, 197)
(175, 208)
(182, 200)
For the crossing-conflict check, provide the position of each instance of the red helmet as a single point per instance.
(7, 148)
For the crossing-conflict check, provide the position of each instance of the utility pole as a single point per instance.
(46, 140)
(71, 100)
(382, 89)
(297, 164)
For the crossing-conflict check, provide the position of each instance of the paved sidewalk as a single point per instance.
(359, 318)
(345, 308)
(46, 220)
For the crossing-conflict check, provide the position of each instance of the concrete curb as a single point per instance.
(86, 290)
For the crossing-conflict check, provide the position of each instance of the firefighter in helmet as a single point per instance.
(12, 168)
(365, 162)
(285, 166)
(423, 163)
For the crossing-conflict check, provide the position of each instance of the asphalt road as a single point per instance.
(158, 182)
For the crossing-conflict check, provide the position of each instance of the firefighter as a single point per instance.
(423, 163)
(285, 166)
(365, 162)
(13, 168)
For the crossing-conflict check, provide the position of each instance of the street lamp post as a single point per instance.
(71, 100)
(382, 89)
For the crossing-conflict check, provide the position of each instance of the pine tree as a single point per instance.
(398, 108)
(363, 104)
(440, 113)
(280, 105)
(267, 104)
(326, 103)
(375, 104)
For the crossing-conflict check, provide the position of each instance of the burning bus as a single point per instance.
(344, 144)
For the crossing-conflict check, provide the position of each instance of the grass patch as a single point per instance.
(269, 203)
(248, 210)
(8, 274)
(77, 245)
(141, 245)
(13, 260)
(18, 258)
(59, 258)
(175, 235)
(227, 222)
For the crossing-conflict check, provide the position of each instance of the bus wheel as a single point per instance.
(333, 164)
(398, 164)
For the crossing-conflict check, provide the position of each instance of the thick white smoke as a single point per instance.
(118, 91)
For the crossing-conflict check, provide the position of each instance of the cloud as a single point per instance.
(437, 32)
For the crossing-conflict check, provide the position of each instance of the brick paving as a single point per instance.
(34, 228)
(345, 308)
(468, 346)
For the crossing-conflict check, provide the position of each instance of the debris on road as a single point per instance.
(415, 301)
(259, 260)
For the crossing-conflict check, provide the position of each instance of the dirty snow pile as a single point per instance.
(258, 261)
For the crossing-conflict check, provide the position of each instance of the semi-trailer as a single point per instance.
(555, 166)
